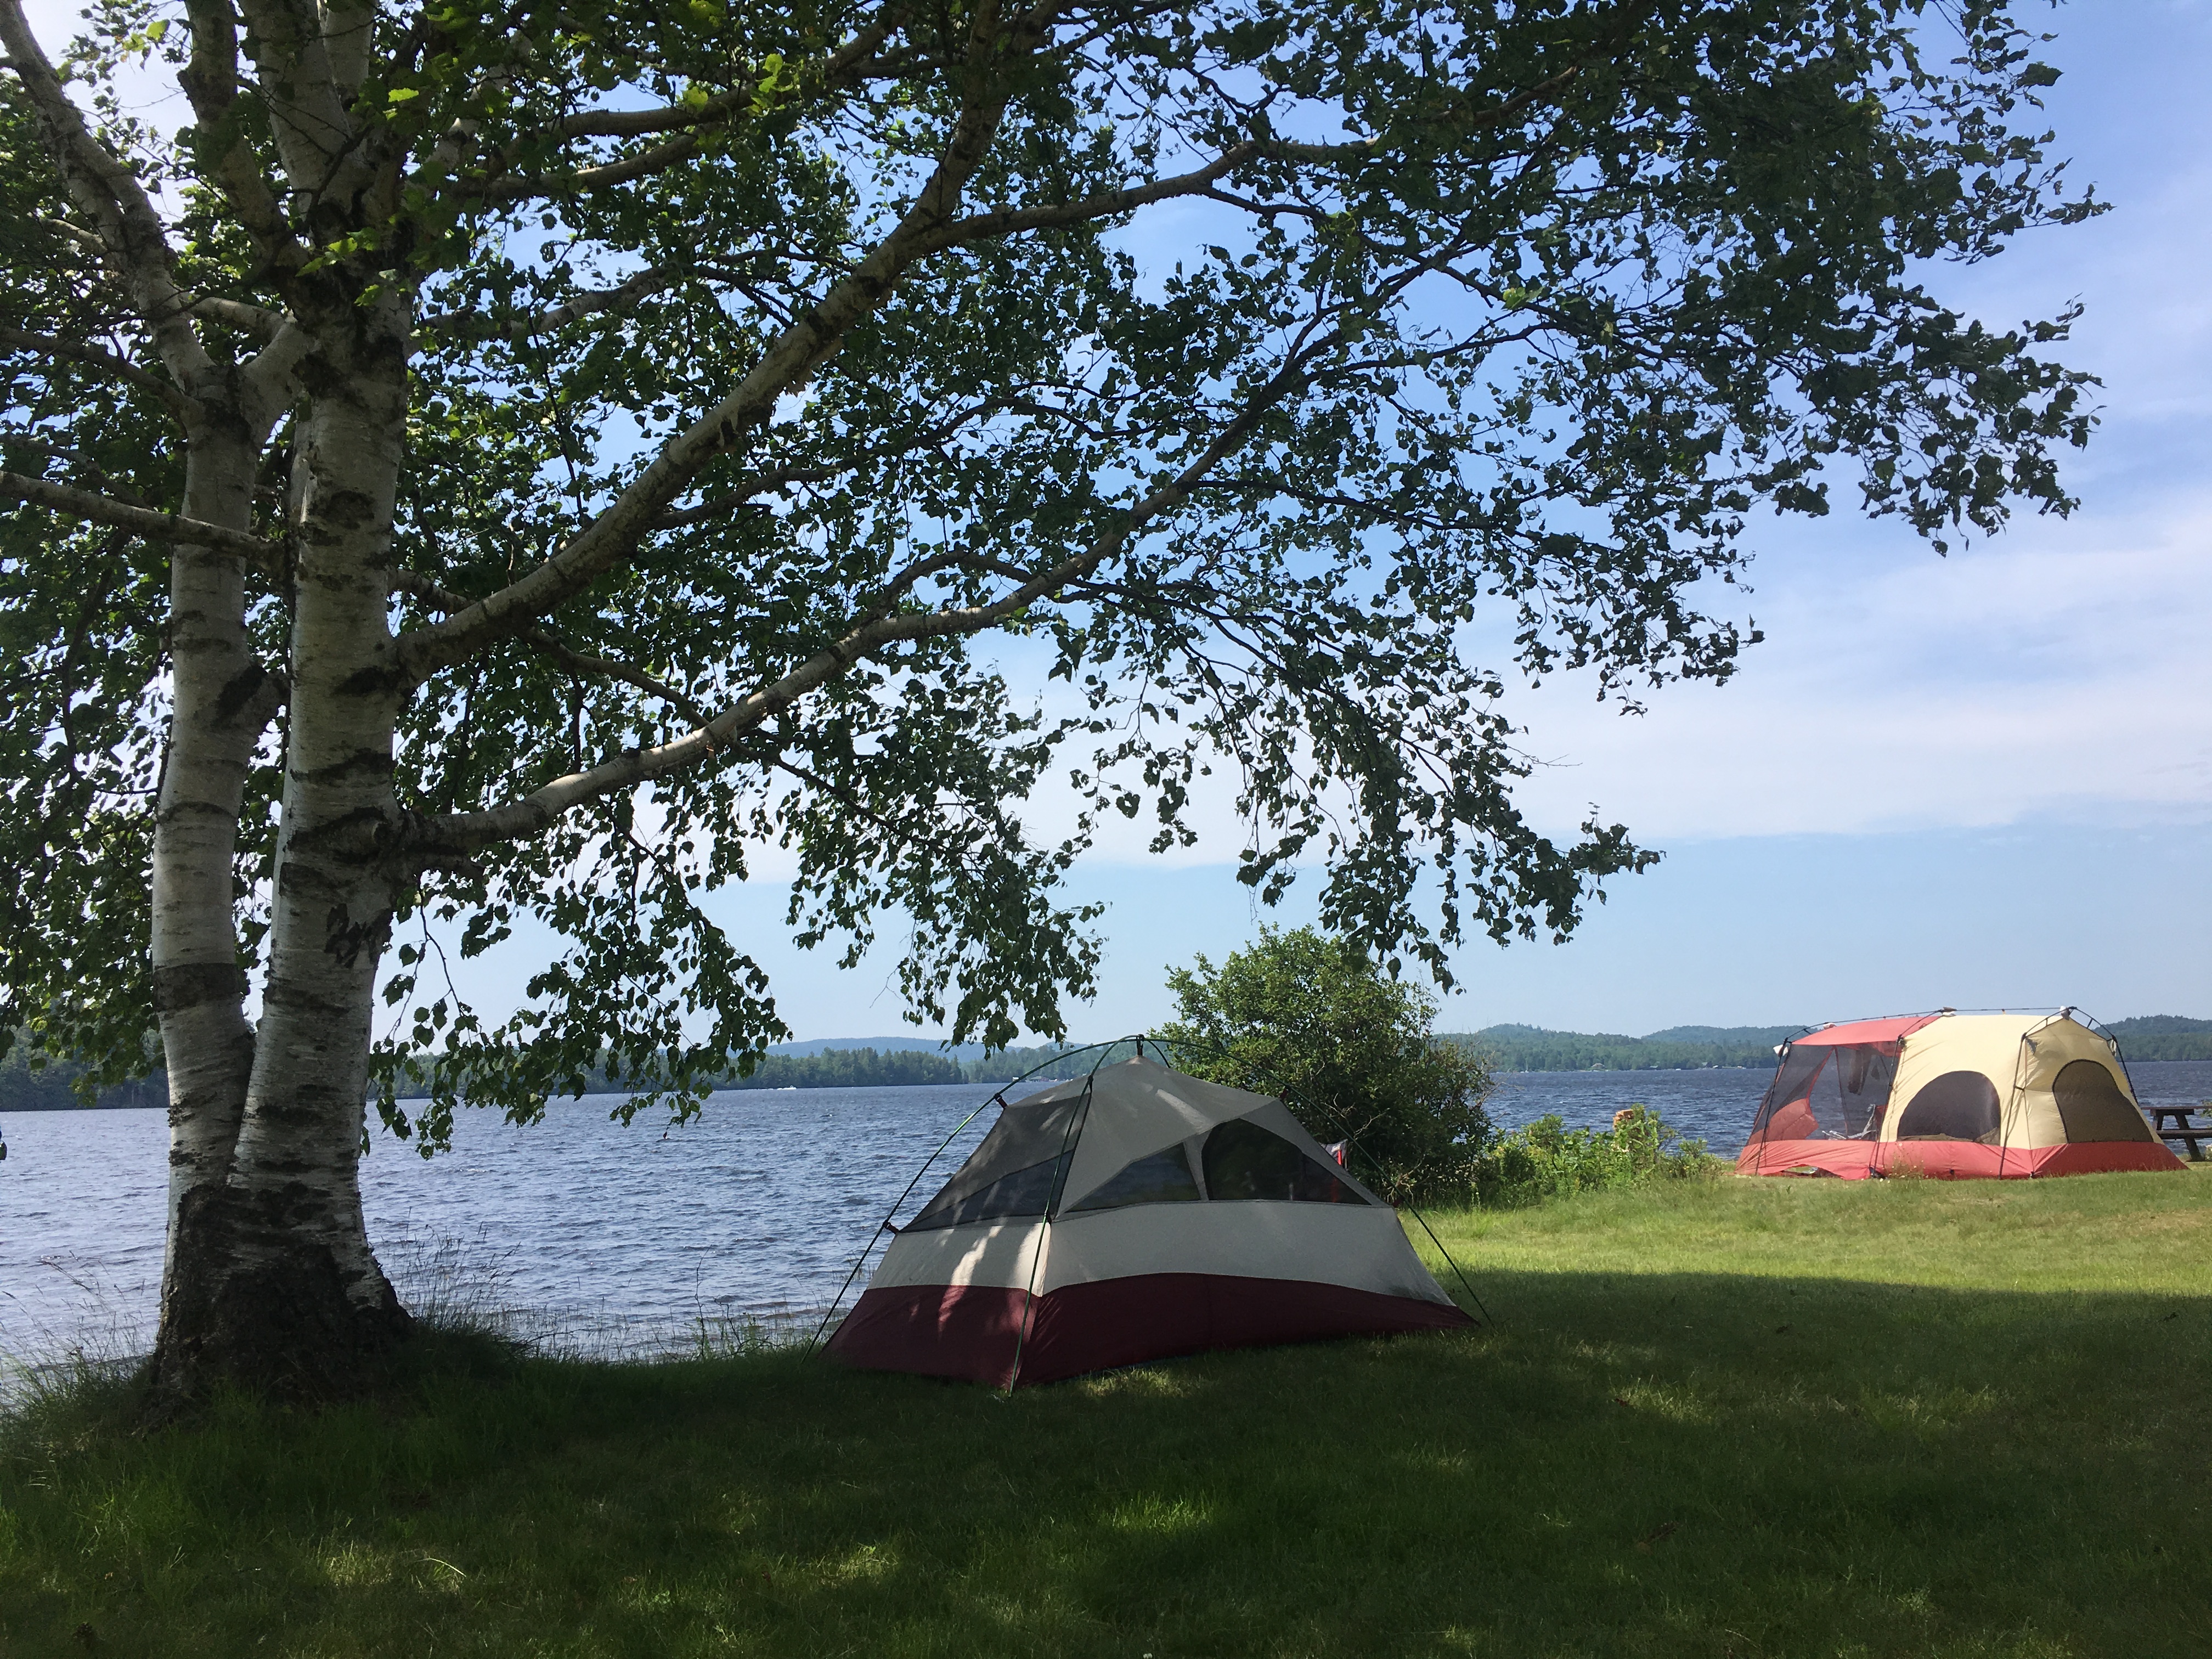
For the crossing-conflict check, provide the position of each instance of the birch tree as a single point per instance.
(470, 462)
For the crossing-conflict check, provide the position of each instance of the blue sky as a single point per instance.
(1983, 781)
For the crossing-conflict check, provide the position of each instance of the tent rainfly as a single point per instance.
(1128, 1215)
(1997, 1095)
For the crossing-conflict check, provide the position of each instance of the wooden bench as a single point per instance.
(2183, 1129)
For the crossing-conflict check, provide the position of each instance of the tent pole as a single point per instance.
(1350, 1141)
(2016, 1107)
(1044, 1228)
(1028, 1304)
(998, 1099)
(883, 1226)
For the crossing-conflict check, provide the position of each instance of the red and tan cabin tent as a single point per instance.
(1952, 1094)
(1131, 1215)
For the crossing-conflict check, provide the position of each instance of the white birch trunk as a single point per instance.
(221, 698)
(197, 983)
(282, 1286)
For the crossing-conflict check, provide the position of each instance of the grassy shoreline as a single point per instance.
(1756, 1419)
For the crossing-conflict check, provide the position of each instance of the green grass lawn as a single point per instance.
(1751, 1419)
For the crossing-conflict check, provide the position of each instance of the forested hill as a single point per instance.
(1679, 1048)
(2164, 1037)
(1509, 1048)
(52, 1088)
(1686, 1048)
(852, 1068)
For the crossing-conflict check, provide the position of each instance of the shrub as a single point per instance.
(1315, 1020)
(1546, 1160)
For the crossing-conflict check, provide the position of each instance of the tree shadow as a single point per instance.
(1663, 1464)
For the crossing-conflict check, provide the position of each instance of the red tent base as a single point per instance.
(971, 1331)
(1950, 1160)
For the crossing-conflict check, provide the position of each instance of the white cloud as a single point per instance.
(2060, 673)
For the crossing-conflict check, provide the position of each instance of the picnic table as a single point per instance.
(2182, 1129)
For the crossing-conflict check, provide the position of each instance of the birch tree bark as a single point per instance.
(222, 697)
(272, 1275)
(488, 465)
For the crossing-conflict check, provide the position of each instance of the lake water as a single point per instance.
(615, 1239)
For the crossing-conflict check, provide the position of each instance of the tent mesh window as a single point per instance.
(1162, 1178)
(1824, 1091)
(1018, 1169)
(1244, 1161)
(2092, 1107)
(1956, 1106)
(1028, 1192)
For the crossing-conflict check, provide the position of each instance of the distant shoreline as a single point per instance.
(604, 1093)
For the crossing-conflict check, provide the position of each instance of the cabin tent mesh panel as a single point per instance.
(1956, 1106)
(2092, 1107)
(1822, 1092)
(1021, 1192)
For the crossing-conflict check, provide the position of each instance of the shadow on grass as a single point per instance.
(1681, 1464)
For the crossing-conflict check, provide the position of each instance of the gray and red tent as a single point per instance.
(1130, 1215)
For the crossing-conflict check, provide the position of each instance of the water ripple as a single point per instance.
(578, 1232)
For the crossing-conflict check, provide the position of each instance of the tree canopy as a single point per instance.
(500, 462)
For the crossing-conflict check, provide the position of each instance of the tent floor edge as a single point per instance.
(970, 1333)
(1953, 1160)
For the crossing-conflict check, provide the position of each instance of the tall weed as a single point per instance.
(1546, 1160)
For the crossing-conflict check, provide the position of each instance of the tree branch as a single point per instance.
(878, 626)
(272, 693)
(927, 228)
(316, 61)
(730, 500)
(580, 662)
(271, 374)
(265, 556)
(598, 667)
(247, 319)
(12, 440)
(733, 501)
(209, 78)
(475, 325)
(105, 191)
(798, 352)
(671, 118)
(531, 187)
(94, 357)
(1108, 205)
(77, 234)
(901, 829)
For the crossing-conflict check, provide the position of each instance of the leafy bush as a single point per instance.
(1315, 1020)
(1546, 1160)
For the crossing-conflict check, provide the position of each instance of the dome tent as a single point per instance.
(1133, 1214)
(1953, 1095)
